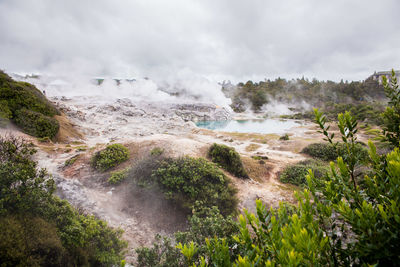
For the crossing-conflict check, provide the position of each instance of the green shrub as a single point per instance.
(322, 151)
(141, 172)
(163, 253)
(118, 176)
(188, 180)
(328, 152)
(296, 174)
(228, 159)
(110, 157)
(284, 137)
(36, 124)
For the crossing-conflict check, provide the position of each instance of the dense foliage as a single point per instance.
(30, 241)
(296, 173)
(205, 223)
(337, 221)
(39, 229)
(315, 93)
(391, 116)
(36, 124)
(5, 113)
(189, 180)
(25, 105)
(228, 159)
(362, 111)
(110, 157)
(329, 152)
(322, 151)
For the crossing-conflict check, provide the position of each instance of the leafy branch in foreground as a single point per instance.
(391, 116)
(347, 125)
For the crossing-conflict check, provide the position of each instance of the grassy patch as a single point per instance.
(373, 132)
(252, 147)
(71, 160)
(80, 148)
(45, 139)
(256, 170)
(254, 137)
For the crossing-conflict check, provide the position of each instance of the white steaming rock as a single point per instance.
(122, 119)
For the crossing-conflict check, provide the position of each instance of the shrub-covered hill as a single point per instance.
(299, 91)
(27, 107)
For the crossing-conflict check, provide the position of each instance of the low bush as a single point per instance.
(296, 174)
(141, 172)
(110, 157)
(322, 151)
(228, 159)
(163, 253)
(205, 223)
(118, 176)
(36, 124)
(327, 152)
(284, 137)
(187, 180)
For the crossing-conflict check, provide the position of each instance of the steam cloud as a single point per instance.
(219, 40)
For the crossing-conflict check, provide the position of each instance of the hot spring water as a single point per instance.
(266, 126)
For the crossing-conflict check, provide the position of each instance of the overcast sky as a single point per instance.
(218, 39)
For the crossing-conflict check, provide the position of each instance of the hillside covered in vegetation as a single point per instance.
(27, 107)
(364, 98)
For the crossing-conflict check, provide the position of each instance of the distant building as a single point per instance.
(377, 76)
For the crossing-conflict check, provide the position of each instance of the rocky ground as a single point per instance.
(142, 126)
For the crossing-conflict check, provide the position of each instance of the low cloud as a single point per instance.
(214, 40)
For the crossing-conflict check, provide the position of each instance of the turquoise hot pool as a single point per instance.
(266, 126)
